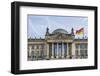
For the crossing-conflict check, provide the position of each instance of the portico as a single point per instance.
(59, 50)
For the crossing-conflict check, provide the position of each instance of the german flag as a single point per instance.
(80, 31)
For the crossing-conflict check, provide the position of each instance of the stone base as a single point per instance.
(57, 57)
(62, 56)
(73, 57)
(52, 57)
(67, 56)
(47, 57)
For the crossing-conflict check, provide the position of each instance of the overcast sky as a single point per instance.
(37, 24)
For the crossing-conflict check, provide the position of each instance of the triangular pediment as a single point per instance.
(60, 36)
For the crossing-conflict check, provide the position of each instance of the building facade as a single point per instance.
(57, 45)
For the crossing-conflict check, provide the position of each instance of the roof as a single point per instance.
(42, 40)
(80, 39)
(30, 40)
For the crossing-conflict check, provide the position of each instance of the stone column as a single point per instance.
(47, 51)
(57, 51)
(73, 50)
(62, 50)
(52, 50)
(30, 51)
(67, 51)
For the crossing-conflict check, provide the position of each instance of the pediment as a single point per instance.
(60, 36)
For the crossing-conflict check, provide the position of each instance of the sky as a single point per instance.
(37, 25)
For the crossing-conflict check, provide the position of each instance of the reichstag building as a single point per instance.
(57, 45)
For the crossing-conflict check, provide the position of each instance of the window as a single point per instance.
(32, 46)
(60, 49)
(81, 50)
(42, 46)
(55, 49)
(37, 46)
(77, 46)
(65, 49)
(77, 50)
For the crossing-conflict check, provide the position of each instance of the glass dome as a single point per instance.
(59, 31)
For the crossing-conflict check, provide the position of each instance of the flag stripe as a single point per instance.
(80, 31)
